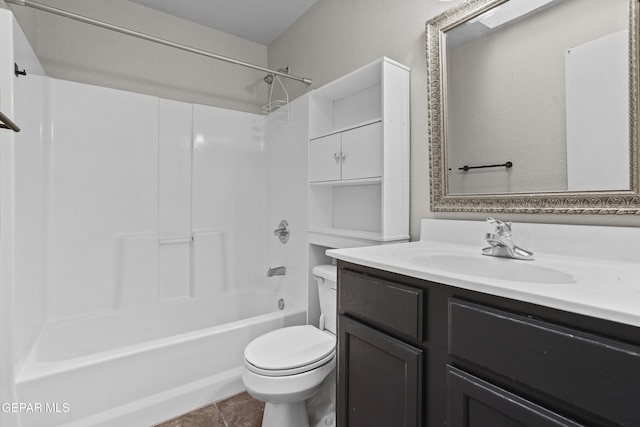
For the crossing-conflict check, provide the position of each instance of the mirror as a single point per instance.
(533, 107)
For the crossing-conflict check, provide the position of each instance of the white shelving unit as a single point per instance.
(359, 158)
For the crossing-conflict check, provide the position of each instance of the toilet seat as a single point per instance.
(289, 351)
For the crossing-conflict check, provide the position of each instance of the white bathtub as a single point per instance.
(111, 378)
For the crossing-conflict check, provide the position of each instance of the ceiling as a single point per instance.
(260, 21)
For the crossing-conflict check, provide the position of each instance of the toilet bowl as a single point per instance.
(286, 367)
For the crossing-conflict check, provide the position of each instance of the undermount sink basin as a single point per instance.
(493, 268)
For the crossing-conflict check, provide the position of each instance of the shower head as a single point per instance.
(268, 79)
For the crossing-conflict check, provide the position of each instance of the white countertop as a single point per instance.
(578, 274)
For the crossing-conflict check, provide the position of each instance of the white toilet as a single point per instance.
(285, 367)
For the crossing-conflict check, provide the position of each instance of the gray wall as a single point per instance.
(333, 38)
(337, 36)
(79, 52)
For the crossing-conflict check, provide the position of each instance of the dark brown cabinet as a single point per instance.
(578, 369)
(473, 402)
(380, 363)
(380, 377)
(417, 353)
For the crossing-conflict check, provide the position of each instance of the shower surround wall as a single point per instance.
(134, 226)
(135, 237)
(22, 207)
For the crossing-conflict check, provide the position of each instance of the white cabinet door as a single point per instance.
(324, 158)
(362, 152)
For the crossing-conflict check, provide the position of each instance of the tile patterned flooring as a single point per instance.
(240, 410)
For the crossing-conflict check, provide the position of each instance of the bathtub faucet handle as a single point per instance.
(282, 232)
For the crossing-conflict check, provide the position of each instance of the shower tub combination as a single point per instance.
(141, 384)
(133, 258)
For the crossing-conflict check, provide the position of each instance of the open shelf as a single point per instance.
(348, 127)
(345, 182)
(348, 238)
(359, 158)
(343, 238)
(346, 232)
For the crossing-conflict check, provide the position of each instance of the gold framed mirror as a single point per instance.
(532, 107)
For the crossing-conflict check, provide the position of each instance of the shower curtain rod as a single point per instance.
(154, 39)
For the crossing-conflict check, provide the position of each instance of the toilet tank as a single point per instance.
(327, 277)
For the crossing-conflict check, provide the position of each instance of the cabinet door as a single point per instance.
(379, 378)
(362, 152)
(324, 158)
(477, 403)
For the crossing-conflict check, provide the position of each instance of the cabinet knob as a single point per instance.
(338, 156)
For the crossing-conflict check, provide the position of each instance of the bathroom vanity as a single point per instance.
(433, 333)
(439, 333)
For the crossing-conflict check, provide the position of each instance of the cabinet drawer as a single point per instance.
(391, 306)
(599, 375)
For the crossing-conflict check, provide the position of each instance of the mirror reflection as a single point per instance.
(536, 98)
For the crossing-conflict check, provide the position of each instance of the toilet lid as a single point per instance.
(289, 350)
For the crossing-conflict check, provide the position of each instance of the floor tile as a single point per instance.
(241, 410)
(209, 416)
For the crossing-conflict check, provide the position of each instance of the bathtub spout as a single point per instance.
(277, 271)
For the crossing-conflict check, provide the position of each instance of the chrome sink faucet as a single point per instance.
(501, 242)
